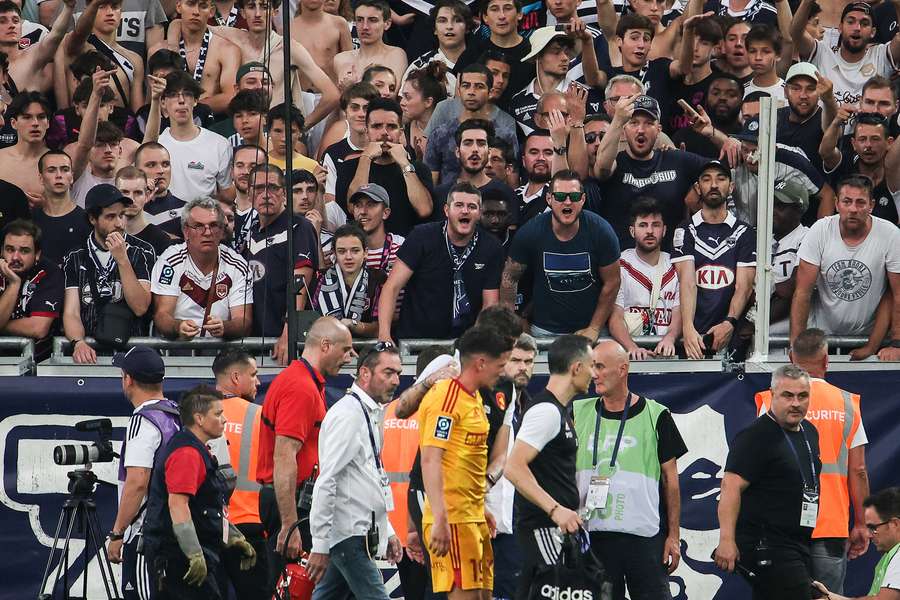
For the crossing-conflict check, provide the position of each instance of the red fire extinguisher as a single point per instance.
(294, 583)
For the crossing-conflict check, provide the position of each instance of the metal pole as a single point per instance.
(765, 191)
(292, 288)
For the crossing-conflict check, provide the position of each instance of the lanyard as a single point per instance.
(812, 465)
(315, 379)
(369, 427)
(615, 453)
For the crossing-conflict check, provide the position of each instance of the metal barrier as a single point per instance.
(193, 358)
(22, 363)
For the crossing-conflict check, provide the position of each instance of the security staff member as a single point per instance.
(236, 379)
(836, 416)
(292, 414)
(542, 463)
(153, 423)
(770, 494)
(186, 524)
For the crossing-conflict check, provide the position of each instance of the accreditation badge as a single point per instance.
(809, 509)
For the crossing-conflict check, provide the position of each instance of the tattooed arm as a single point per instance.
(512, 272)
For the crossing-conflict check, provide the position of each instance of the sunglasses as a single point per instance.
(590, 138)
(563, 196)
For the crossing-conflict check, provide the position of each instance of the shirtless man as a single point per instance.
(29, 114)
(96, 30)
(332, 35)
(212, 59)
(664, 40)
(30, 70)
(227, 13)
(252, 44)
(373, 18)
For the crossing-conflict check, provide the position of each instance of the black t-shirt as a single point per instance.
(658, 83)
(61, 235)
(698, 144)
(156, 237)
(692, 93)
(566, 282)
(13, 204)
(427, 308)
(553, 468)
(667, 176)
(771, 505)
(717, 69)
(521, 73)
(884, 16)
(492, 188)
(403, 217)
(805, 135)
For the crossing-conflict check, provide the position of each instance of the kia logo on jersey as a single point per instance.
(714, 277)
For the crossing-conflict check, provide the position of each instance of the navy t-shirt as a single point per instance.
(667, 176)
(658, 83)
(427, 309)
(61, 235)
(566, 274)
(717, 250)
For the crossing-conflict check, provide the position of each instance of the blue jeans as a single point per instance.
(351, 571)
(829, 562)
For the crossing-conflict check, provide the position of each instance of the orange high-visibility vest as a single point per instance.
(398, 453)
(242, 434)
(835, 414)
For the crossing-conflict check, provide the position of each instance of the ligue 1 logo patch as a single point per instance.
(443, 427)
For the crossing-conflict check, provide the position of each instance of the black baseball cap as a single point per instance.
(102, 195)
(718, 165)
(863, 7)
(750, 131)
(143, 363)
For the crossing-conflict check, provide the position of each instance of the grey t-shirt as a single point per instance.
(449, 110)
(137, 17)
(851, 279)
(440, 149)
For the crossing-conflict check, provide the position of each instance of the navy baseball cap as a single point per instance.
(648, 105)
(863, 7)
(144, 364)
(103, 195)
(750, 131)
(718, 165)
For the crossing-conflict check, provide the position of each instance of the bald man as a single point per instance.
(288, 439)
(627, 451)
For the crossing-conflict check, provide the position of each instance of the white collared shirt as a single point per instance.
(348, 488)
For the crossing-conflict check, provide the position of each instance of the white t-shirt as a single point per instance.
(540, 425)
(84, 184)
(849, 78)
(851, 279)
(776, 91)
(175, 274)
(143, 441)
(892, 574)
(198, 165)
(637, 283)
(784, 261)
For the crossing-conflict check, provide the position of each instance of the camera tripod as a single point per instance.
(78, 515)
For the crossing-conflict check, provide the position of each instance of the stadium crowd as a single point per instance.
(593, 167)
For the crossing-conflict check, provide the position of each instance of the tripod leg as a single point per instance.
(47, 569)
(106, 572)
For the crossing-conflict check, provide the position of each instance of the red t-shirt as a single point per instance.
(295, 406)
(185, 471)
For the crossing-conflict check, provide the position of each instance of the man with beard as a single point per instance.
(266, 251)
(639, 169)
(385, 161)
(449, 272)
(790, 163)
(802, 122)
(873, 155)
(574, 256)
(734, 60)
(243, 160)
(856, 60)
(501, 163)
(33, 288)
(540, 162)
(852, 259)
(202, 288)
(473, 140)
(649, 288)
(723, 105)
(770, 494)
(110, 267)
(163, 208)
(715, 257)
(475, 83)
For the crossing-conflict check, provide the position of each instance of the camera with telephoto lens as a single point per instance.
(85, 454)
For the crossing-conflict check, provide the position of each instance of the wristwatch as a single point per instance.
(559, 151)
(115, 536)
(409, 168)
(894, 344)
(733, 321)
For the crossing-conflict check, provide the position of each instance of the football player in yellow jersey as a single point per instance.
(453, 437)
